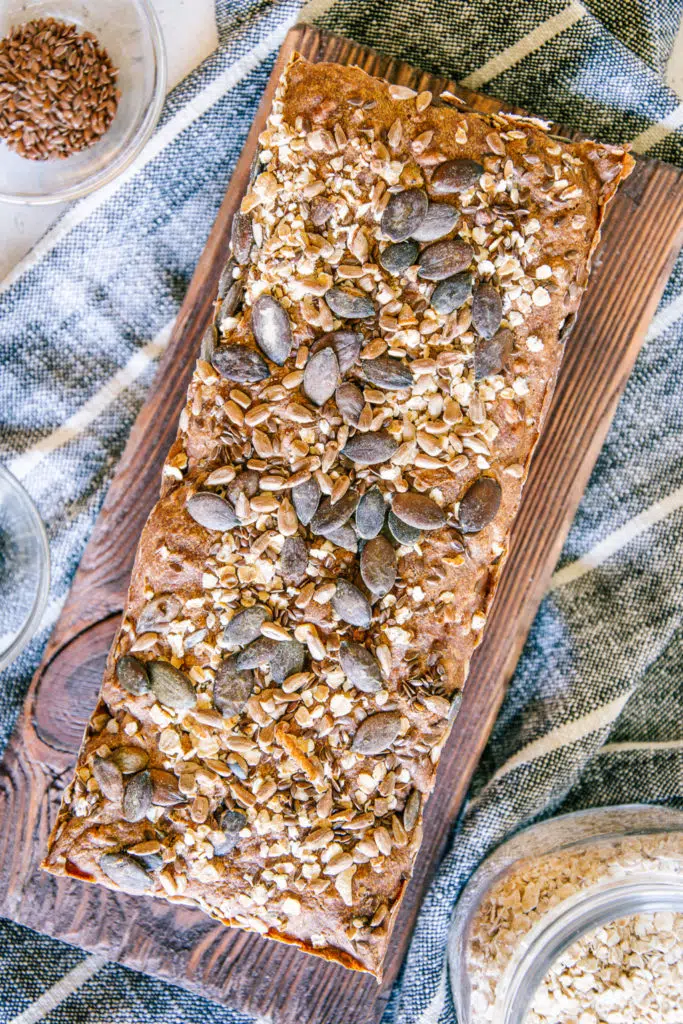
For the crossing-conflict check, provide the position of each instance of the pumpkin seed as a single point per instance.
(370, 513)
(131, 674)
(370, 448)
(240, 364)
(479, 504)
(306, 498)
(346, 345)
(245, 626)
(490, 355)
(158, 613)
(411, 810)
(171, 686)
(344, 537)
(241, 237)
(137, 798)
(360, 667)
(207, 345)
(456, 176)
(385, 372)
(452, 293)
(211, 511)
(227, 278)
(272, 329)
(287, 658)
(487, 310)
(349, 399)
(330, 517)
(125, 872)
(439, 221)
(376, 733)
(293, 559)
(402, 532)
(348, 305)
(165, 791)
(404, 213)
(418, 510)
(443, 259)
(230, 824)
(378, 566)
(321, 376)
(232, 688)
(129, 760)
(350, 605)
(108, 778)
(398, 256)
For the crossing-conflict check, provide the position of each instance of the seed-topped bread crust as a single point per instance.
(335, 511)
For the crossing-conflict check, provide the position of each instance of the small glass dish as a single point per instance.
(24, 568)
(130, 32)
(628, 882)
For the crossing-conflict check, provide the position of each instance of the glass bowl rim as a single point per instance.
(37, 528)
(125, 158)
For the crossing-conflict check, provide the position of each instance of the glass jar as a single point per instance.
(607, 864)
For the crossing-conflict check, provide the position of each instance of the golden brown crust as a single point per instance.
(330, 833)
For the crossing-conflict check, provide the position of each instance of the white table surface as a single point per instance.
(189, 29)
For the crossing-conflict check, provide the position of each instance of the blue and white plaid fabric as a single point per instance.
(594, 714)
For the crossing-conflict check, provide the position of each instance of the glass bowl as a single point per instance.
(129, 30)
(24, 568)
(627, 883)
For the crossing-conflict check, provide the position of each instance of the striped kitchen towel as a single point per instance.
(594, 714)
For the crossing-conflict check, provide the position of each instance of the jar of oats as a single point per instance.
(577, 920)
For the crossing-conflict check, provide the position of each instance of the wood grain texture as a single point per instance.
(642, 235)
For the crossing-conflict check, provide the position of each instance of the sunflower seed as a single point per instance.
(487, 310)
(452, 293)
(404, 213)
(440, 220)
(293, 559)
(272, 329)
(230, 824)
(126, 872)
(306, 498)
(418, 510)
(330, 517)
(378, 566)
(241, 236)
(411, 810)
(171, 686)
(349, 306)
(207, 346)
(240, 363)
(130, 759)
(385, 372)
(321, 376)
(211, 511)
(350, 605)
(345, 344)
(227, 278)
(231, 689)
(165, 791)
(398, 256)
(443, 259)
(230, 304)
(360, 667)
(456, 176)
(344, 537)
(479, 504)
(376, 733)
(158, 613)
(491, 354)
(137, 798)
(245, 626)
(401, 532)
(131, 674)
(246, 482)
(108, 778)
(349, 399)
(370, 448)
(370, 513)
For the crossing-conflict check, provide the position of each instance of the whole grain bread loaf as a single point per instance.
(335, 511)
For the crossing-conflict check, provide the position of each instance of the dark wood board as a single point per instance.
(642, 235)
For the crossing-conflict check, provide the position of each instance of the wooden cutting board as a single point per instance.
(642, 235)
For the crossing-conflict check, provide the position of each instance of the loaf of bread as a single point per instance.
(335, 511)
